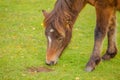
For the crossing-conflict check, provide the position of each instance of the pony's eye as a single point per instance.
(60, 39)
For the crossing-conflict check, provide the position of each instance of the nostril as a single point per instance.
(50, 63)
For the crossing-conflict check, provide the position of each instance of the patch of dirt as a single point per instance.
(38, 69)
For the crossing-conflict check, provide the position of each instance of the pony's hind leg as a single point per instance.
(112, 49)
(103, 18)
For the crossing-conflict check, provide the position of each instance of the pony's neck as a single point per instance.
(68, 10)
(77, 6)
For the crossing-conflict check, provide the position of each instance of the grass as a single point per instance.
(23, 44)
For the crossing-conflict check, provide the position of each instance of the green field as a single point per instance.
(23, 44)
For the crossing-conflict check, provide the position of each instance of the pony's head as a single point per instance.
(58, 27)
(58, 34)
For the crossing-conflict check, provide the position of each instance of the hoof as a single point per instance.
(92, 63)
(106, 57)
(89, 69)
(109, 56)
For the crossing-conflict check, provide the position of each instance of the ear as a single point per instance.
(44, 13)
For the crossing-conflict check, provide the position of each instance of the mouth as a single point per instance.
(51, 63)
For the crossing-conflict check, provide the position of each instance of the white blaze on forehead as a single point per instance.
(50, 41)
(49, 37)
(51, 30)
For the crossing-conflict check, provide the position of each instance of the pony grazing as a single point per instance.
(59, 23)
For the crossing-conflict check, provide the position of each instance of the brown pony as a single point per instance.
(59, 23)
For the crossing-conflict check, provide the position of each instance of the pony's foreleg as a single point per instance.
(112, 49)
(103, 17)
